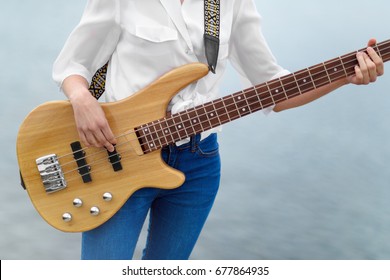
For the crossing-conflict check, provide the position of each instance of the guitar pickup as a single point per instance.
(115, 160)
(83, 167)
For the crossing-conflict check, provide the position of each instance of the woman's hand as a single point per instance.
(369, 69)
(370, 66)
(91, 122)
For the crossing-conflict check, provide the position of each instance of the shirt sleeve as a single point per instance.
(249, 52)
(91, 43)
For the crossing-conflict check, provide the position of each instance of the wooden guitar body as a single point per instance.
(50, 129)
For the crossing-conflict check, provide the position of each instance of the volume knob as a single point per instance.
(107, 196)
(67, 217)
(77, 202)
(94, 211)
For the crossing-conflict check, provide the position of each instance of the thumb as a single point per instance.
(371, 42)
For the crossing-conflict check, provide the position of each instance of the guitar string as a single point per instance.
(249, 89)
(270, 84)
(96, 162)
(99, 160)
(159, 138)
(97, 166)
(326, 70)
(101, 151)
(257, 87)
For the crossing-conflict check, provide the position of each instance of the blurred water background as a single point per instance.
(309, 183)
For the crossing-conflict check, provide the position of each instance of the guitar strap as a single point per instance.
(210, 38)
(211, 32)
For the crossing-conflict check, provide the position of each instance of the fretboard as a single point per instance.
(162, 132)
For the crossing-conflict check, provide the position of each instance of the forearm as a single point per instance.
(75, 86)
(309, 96)
(91, 122)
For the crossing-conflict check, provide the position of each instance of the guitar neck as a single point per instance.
(159, 133)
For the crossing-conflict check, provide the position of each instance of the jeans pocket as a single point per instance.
(208, 147)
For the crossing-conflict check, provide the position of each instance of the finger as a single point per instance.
(358, 78)
(364, 77)
(110, 138)
(371, 42)
(371, 67)
(92, 140)
(380, 69)
(102, 141)
(83, 138)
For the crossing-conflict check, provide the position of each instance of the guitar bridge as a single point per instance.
(51, 173)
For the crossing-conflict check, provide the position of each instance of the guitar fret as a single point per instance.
(318, 77)
(195, 121)
(226, 109)
(200, 120)
(276, 89)
(349, 62)
(235, 104)
(149, 142)
(187, 122)
(231, 108)
(270, 93)
(296, 81)
(167, 132)
(181, 126)
(378, 50)
(311, 78)
(252, 100)
(216, 113)
(172, 129)
(245, 95)
(289, 86)
(204, 118)
(342, 64)
(241, 104)
(282, 87)
(162, 133)
(154, 135)
(258, 98)
(305, 81)
(337, 70)
(264, 96)
(326, 71)
(221, 111)
(212, 115)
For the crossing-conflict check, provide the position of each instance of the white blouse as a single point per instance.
(145, 39)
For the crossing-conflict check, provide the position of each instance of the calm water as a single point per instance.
(310, 183)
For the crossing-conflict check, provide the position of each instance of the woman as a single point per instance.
(143, 40)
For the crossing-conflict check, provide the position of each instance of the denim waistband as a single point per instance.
(191, 144)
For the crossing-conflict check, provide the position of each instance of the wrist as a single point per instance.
(78, 95)
(75, 88)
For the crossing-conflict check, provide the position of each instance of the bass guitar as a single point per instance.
(76, 188)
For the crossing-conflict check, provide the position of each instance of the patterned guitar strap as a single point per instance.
(211, 43)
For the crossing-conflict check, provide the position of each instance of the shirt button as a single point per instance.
(188, 51)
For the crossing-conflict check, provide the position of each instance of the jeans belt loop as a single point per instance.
(194, 142)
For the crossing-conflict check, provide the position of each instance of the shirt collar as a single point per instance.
(173, 8)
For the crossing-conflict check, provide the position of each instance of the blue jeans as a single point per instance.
(176, 216)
